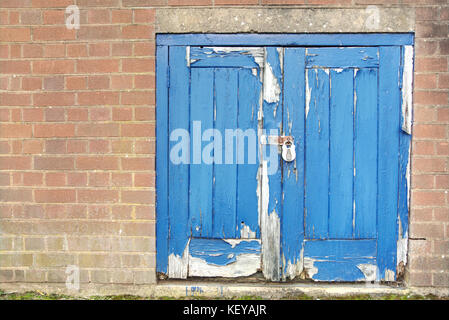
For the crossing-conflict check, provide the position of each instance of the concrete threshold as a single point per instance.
(217, 290)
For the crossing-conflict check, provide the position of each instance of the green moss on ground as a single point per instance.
(36, 295)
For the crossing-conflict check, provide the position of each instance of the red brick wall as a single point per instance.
(77, 179)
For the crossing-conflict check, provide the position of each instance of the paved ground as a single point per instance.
(35, 295)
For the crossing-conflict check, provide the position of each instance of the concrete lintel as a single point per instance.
(285, 20)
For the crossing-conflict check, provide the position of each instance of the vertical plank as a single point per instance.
(292, 222)
(161, 159)
(247, 202)
(341, 153)
(317, 154)
(201, 118)
(404, 154)
(272, 124)
(225, 174)
(365, 153)
(178, 173)
(388, 144)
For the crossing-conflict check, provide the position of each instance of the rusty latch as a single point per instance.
(277, 140)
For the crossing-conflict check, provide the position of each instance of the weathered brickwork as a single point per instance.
(77, 138)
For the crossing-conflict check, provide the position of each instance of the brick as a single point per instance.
(54, 83)
(433, 131)
(443, 81)
(428, 198)
(99, 3)
(33, 146)
(442, 148)
(138, 65)
(121, 179)
(104, 32)
(33, 114)
(144, 48)
(425, 81)
(429, 165)
(121, 16)
(54, 17)
(33, 178)
(53, 33)
(189, 2)
(54, 114)
(146, 163)
(53, 163)
(52, 3)
(15, 195)
(15, 131)
(99, 261)
(138, 229)
(99, 16)
(53, 67)
(144, 15)
(98, 66)
(424, 148)
(427, 230)
(426, 29)
(98, 82)
(98, 130)
(98, 179)
(76, 179)
(144, 82)
(76, 146)
(16, 260)
(142, 3)
(77, 50)
(145, 113)
(97, 163)
(145, 213)
(122, 114)
(138, 98)
(76, 83)
(121, 82)
(423, 181)
(55, 196)
(32, 51)
(31, 84)
(54, 130)
(98, 98)
(121, 146)
(122, 49)
(144, 180)
(55, 179)
(134, 196)
(99, 146)
(138, 130)
(428, 64)
(15, 163)
(97, 196)
(10, 34)
(99, 49)
(54, 50)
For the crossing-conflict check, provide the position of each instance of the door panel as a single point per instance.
(332, 213)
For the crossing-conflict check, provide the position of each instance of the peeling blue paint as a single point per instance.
(221, 253)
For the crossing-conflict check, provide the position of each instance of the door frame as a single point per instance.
(390, 268)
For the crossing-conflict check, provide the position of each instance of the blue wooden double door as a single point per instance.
(228, 202)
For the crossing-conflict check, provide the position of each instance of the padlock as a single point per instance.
(288, 151)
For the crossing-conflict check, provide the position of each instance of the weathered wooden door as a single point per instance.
(336, 212)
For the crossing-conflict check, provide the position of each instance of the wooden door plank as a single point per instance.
(270, 178)
(225, 174)
(201, 118)
(178, 172)
(388, 144)
(365, 153)
(247, 154)
(317, 154)
(340, 260)
(292, 220)
(341, 153)
(162, 159)
(356, 57)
